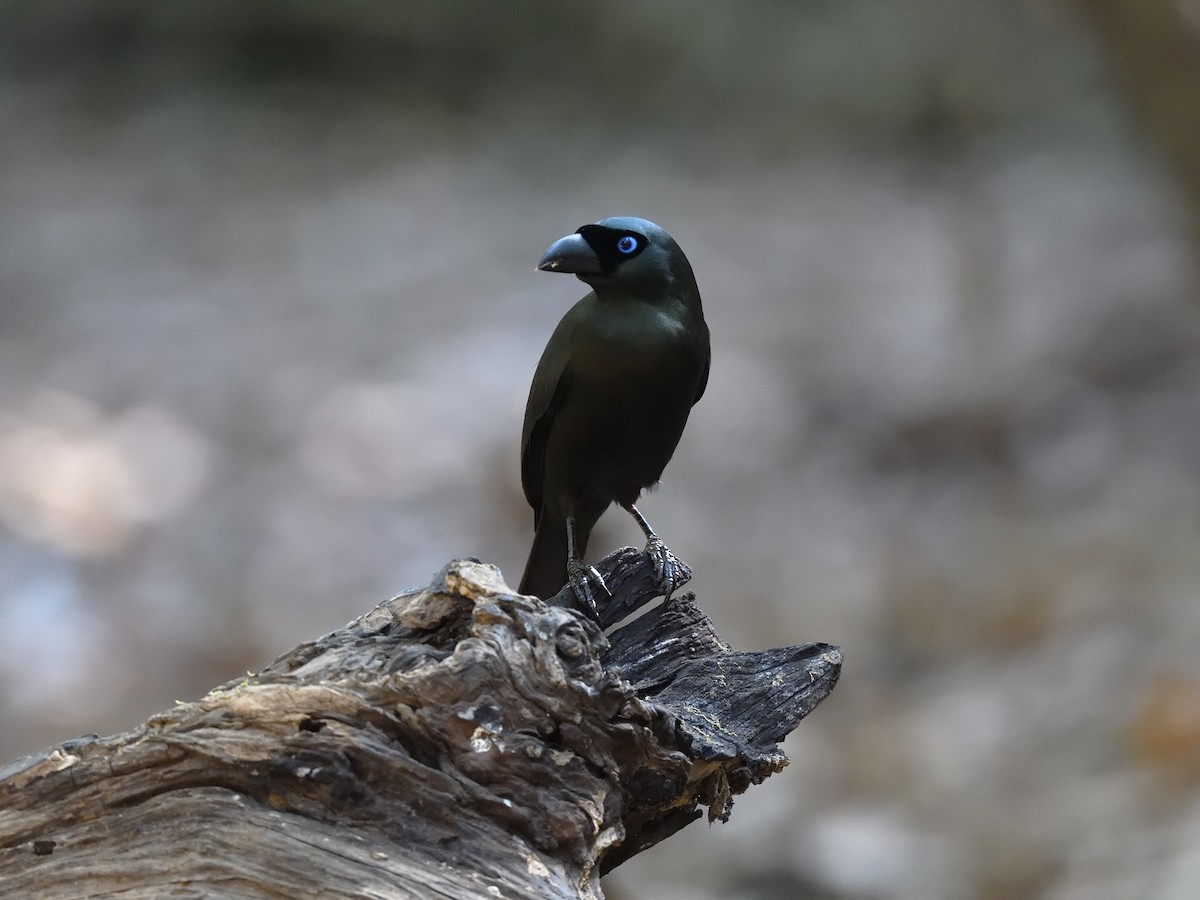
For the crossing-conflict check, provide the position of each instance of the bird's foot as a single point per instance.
(586, 582)
(669, 571)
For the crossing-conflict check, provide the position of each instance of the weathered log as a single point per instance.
(456, 741)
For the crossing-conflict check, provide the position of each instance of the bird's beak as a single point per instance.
(570, 254)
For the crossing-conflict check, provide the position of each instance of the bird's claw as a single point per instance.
(583, 578)
(669, 571)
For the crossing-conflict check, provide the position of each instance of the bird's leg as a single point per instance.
(669, 571)
(581, 576)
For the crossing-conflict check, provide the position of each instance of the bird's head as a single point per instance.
(621, 252)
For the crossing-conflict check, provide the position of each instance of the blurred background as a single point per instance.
(268, 315)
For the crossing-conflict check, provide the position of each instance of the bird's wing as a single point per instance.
(551, 381)
(535, 437)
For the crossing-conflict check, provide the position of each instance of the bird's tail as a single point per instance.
(546, 569)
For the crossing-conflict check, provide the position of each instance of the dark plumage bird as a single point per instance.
(610, 396)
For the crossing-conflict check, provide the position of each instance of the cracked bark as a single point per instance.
(456, 741)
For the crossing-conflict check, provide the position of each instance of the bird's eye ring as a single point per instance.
(627, 244)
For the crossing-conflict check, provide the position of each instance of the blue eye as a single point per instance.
(627, 244)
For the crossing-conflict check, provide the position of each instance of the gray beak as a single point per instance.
(571, 254)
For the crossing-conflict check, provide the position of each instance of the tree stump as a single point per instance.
(456, 741)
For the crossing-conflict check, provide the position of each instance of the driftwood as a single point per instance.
(457, 741)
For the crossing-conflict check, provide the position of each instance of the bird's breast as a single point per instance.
(633, 379)
(634, 372)
(638, 333)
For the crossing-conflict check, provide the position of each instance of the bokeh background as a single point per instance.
(268, 315)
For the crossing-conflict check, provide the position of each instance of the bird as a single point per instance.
(610, 397)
